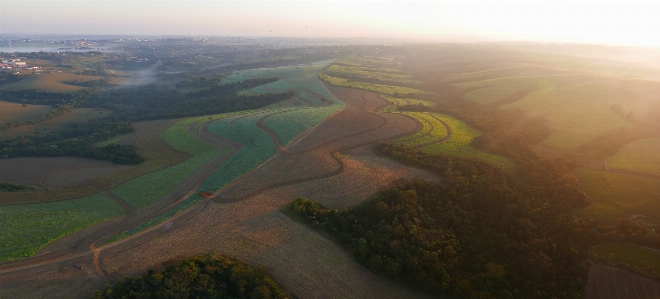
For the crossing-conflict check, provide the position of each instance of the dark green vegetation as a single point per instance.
(481, 233)
(7, 187)
(198, 277)
(130, 104)
(76, 140)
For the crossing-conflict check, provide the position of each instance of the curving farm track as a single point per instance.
(223, 223)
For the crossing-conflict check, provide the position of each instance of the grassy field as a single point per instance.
(257, 148)
(382, 65)
(637, 256)
(618, 196)
(367, 71)
(575, 113)
(77, 115)
(458, 144)
(12, 112)
(51, 82)
(492, 90)
(522, 70)
(291, 124)
(148, 188)
(28, 228)
(379, 88)
(640, 156)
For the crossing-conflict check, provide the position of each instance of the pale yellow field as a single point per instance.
(639, 156)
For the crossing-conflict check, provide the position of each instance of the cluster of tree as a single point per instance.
(77, 139)
(8, 78)
(481, 233)
(155, 102)
(89, 83)
(129, 105)
(57, 112)
(8, 187)
(200, 82)
(198, 277)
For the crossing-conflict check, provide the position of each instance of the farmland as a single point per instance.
(619, 195)
(379, 88)
(642, 258)
(12, 112)
(145, 189)
(51, 82)
(406, 101)
(576, 114)
(29, 227)
(216, 183)
(458, 142)
(433, 130)
(638, 156)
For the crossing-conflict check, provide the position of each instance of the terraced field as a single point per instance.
(488, 91)
(458, 142)
(638, 156)
(148, 188)
(618, 195)
(379, 88)
(27, 228)
(433, 130)
(406, 101)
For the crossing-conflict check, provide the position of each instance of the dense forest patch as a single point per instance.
(198, 277)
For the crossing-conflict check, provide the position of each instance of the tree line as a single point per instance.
(128, 105)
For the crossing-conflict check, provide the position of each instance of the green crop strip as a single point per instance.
(28, 228)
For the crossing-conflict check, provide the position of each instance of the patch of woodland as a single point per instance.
(128, 105)
(198, 277)
(483, 231)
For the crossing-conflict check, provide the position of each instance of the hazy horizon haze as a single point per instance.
(606, 23)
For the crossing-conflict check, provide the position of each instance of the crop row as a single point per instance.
(29, 227)
(436, 130)
(379, 88)
(148, 188)
(289, 125)
(364, 71)
(365, 61)
(458, 143)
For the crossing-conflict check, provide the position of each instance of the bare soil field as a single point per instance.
(77, 115)
(606, 282)
(11, 112)
(53, 172)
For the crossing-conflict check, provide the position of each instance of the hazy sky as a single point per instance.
(628, 23)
